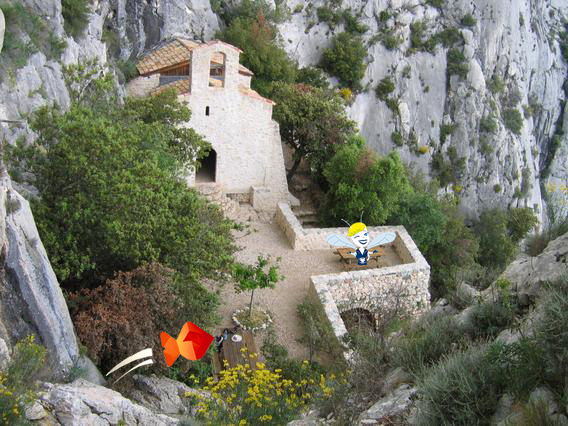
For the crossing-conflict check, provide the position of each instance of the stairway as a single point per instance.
(240, 213)
(306, 216)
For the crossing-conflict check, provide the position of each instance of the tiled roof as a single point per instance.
(176, 52)
(254, 94)
(181, 87)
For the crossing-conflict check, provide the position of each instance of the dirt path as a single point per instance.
(296, 266)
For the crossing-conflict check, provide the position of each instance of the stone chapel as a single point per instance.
(246, 156)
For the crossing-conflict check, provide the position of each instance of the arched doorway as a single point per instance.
(208, 169)
(358, 320)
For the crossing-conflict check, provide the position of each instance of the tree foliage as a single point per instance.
(111, 198)
(345, 59)
(75, 15)
(313, 122)
(258, 40)
(361, 181)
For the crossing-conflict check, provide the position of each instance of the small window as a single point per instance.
(206, 110)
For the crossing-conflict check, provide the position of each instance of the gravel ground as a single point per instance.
(296, 266)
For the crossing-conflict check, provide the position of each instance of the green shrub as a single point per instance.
(352, 24)
(496, 85)
(128, 69)
(312, 76)
(521, 221)
(563, 41)
(456, 63)
(327, 15)
(534, 413)
(384, 88)
(449, 37)
(391, 41)
(459, 390)
(513, 120)
(345, 59)
(397, 139)
(17, 382)
(556, 225)
(393, 105)
(426, 343)
(497, 188)
(445, 130)
(487, 124)
(75, 15)
(468, 20)
(318, 333)
(497, 248)
(438, 4)
(360, 180)
(487, 319)
(298, 8)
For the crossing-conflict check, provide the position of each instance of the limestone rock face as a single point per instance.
(510, 39)
(32, 301)
(84, 403)
(527, 274)
(2, 28)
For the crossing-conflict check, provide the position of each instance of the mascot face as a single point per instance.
(360, 239)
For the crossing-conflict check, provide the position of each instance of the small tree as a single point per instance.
(251, 277)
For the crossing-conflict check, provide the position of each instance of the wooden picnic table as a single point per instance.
(231, 352)
(350, 262)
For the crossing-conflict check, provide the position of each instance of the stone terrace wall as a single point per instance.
(382, 291)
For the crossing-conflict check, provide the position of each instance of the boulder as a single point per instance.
(528, 274)
(35, 411)
(32, 300)
(504, 409)
(162, 395)
(89, 371)
(4, 355)
(84, 403)
(395, 405)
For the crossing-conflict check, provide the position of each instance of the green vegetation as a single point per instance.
(384, 88)
(112, 201)
(329, 16)
(488, 124)
(312, 76)
(468, 20)
(556, 225)
(253, 277)
(345, 59)
(397, 139)
(26, 33)
(17, 381)
(456, 63)
(448, 171)
(449, 37)
(563, 41)
(297, 109)
(513, 120)
(252, 29)
(445, 130)
(318, 334)
(496, 85)
(438, 4)
(393, 105)
(359, 180)
(417, 41)
(75, 15)
(497, 188)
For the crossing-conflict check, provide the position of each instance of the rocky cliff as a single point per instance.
(512, 42)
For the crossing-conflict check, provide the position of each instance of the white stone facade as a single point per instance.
(401, 289)
(238, 123)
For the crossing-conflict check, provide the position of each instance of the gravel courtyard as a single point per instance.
(296, 266)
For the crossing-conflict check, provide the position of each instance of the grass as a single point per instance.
(75, 15)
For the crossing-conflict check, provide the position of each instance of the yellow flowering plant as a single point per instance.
(17, 387)
(246, 396)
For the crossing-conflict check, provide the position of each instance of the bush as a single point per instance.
(520, 222)
(148, 304)
(449, 37)
(496, 85)
(397, 139)
(313, 77)
(556, 225)
(487, 124)
(468, 20)
(496, 248)
(393, 105)
(497, 188)
(384, 88)
(318, 333)
(460, 390)
(426, 343)
(17, 382)
(345, 59)
(513, 120)
(456, 63)
(361, 181)
(445, 130)
(390, 40)
(75, 15)
(352, 24)
(487, 319)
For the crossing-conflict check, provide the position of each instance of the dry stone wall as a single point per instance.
(394, 290)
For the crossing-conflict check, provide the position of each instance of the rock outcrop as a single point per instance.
(394, 407)
(83, 403)
(2, 28)
(528, 273)
(31, 300)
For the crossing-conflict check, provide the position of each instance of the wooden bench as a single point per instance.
(350, 261)
(231, 352)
